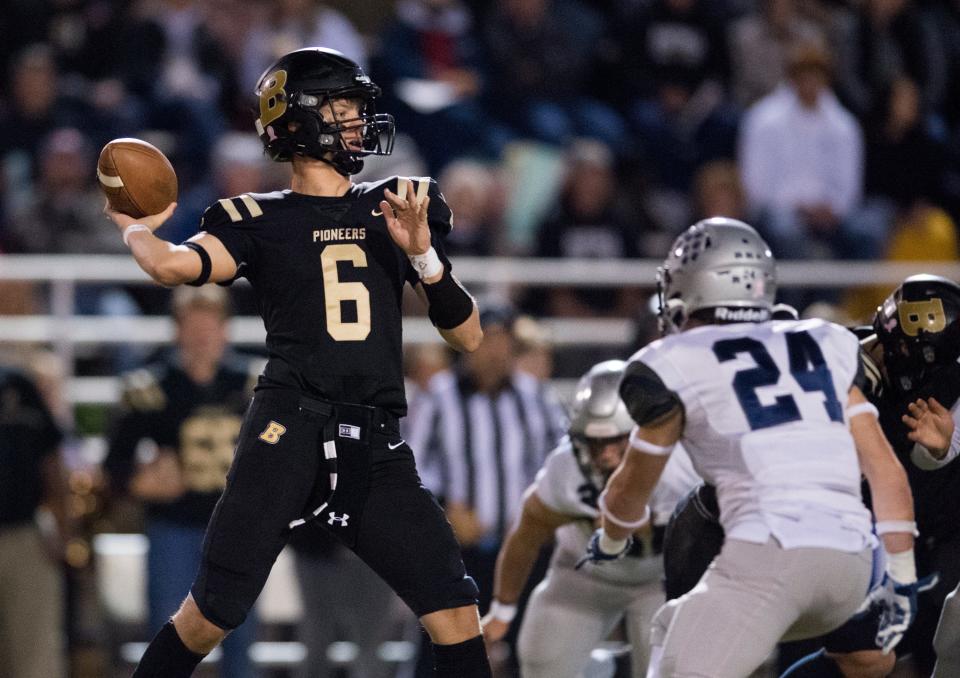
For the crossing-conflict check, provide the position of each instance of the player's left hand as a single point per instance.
(898, 607)
(930, 424)
(407, 220)
(597, 555)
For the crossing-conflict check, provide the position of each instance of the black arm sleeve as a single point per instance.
(646, 396)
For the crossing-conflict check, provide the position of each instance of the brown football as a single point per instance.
(136, 177)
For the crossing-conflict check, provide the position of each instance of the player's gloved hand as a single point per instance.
(898, 607)
(595, 554)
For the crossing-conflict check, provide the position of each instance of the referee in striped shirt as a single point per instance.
(482, 430)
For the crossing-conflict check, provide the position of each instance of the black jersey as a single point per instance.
(199, 422)
(328, 280)
(934, 492)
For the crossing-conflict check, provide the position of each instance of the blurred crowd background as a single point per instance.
(593, 129)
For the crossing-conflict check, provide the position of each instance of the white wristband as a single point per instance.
(648, 447)
(133, 228)
(888, 526)
(427, 264)
(502, 611)
(862, 408)
(611, 546)
(619, 522)
(902, 567)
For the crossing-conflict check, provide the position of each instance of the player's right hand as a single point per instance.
(152, 221)
(930, 424)
(493, 629)
(898, 607)
(597, 555)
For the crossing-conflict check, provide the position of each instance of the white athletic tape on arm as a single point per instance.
(619, 522)
(648, 447)
(902, 566)
(888, 526)
(502, 611)
(427, 264)
(611, 546)
(131, 229)
(862, 408)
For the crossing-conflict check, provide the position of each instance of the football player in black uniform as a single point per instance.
(327, 260)
(912, 375)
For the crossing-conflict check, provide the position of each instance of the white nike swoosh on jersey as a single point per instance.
(376, 213)
(393, 447)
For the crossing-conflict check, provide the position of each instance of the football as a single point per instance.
(136, 177)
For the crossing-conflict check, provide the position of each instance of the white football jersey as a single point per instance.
(562, 487)
(766, 424)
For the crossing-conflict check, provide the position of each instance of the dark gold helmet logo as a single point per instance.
(926, 315)
(273, 98)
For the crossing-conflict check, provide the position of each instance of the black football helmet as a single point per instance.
(292, 94)
(919, 328)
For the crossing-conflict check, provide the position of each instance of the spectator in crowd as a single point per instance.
(674, 79)
(34, 108)
(673, 36)
(759, 45)
(904, 169)
(33, 527)
(286, 25)
(432, 60)
(169, 58)
(65, 213)
(483, 435)
(718, 192)
(885, 40)
(65, 216)
(540, 55)
(171, 447)
(801, 155)
(589, 221)
(474, 195)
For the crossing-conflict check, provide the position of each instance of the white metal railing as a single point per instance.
(65, 331)
(500, 270)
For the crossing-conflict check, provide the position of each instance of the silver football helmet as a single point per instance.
(598, 414)
(717, 263)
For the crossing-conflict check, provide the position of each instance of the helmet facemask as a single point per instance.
(589, 452)
(298, 98)
(373, 132)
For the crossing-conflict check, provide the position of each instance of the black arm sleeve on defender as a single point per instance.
(646, 396)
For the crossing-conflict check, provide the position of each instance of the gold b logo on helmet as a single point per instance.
(922, 315)
(273, 98)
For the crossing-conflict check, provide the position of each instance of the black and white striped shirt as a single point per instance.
(484, 449)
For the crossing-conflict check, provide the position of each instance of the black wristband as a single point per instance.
(450, 304)
(205, 265)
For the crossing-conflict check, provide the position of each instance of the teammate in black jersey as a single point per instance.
(327, 260)
(912, 375)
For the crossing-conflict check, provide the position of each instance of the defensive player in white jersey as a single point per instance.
(771, 414)
(571, 610)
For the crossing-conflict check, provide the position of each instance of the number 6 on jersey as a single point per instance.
(336, 292)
